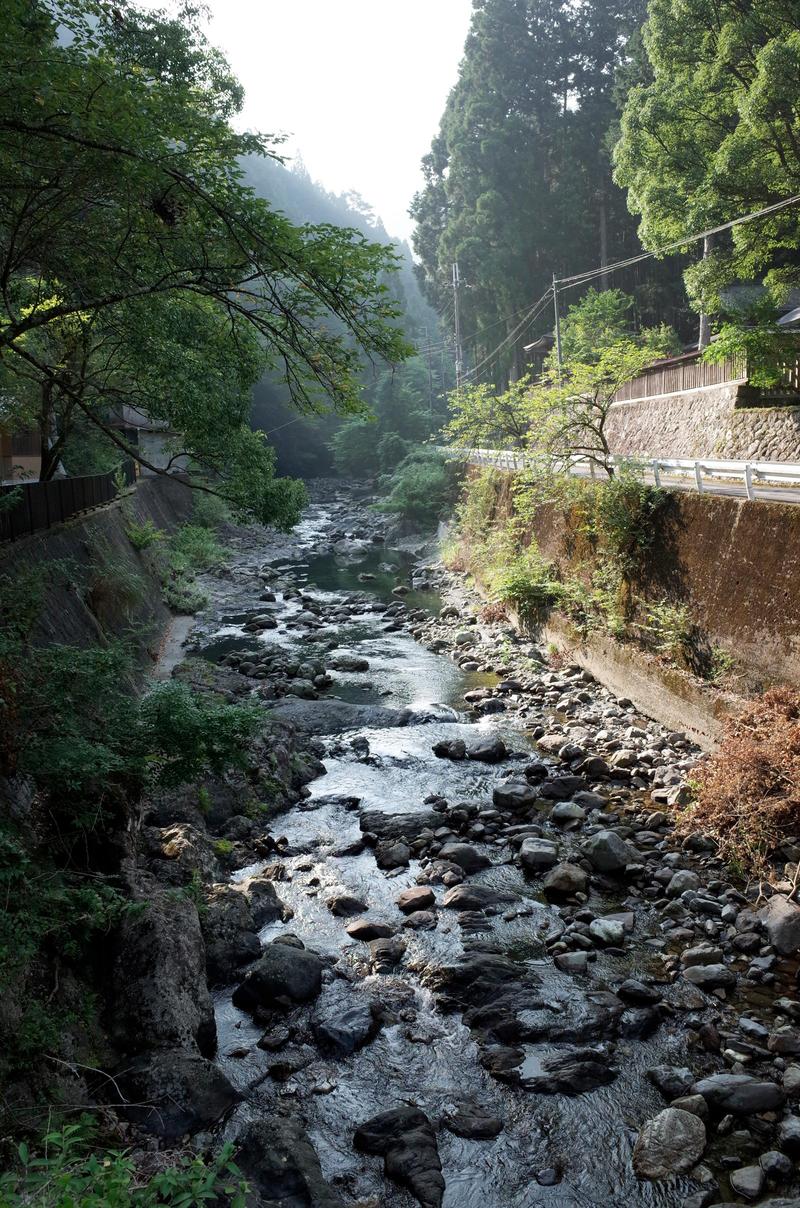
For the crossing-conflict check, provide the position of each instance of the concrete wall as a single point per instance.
(89, 557)
(734, 563)
(711, 422)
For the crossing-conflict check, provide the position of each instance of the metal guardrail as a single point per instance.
(750, 473)
(42, 504)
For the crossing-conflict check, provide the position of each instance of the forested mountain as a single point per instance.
(407, 400)
(518, 182)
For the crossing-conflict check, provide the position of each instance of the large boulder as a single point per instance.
(565, 880)
(606, 852)
(515, 795)
(475, 897)
(284, 976)
(465, 856)
(487, 750)
(538, 855)
(281, 1166)
(229, 931)
(265, 903)
(333, 716)
(568, 1072)
(671, 1143)
(405, 1139)
(344, 1022)
(741, 1094)
(417, 897)
(173, 1092)
(710, 977)
(160, 997)
(782, 921)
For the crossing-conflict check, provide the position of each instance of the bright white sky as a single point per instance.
(360, 85)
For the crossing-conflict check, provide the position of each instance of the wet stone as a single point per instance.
(565, 880)
(671, 1143)
(405, 1138)
(418, 897)
(344, 906)
(367, 929)
(468, 1119)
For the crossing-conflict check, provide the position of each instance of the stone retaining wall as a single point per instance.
(711, 422)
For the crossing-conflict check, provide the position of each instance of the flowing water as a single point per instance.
(579, 1146)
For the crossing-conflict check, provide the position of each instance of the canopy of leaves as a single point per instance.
(132, 253)
(715, 133)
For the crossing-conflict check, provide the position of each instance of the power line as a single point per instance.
(532, 314)
(579, 278)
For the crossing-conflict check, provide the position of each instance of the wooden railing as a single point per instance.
(686, 372)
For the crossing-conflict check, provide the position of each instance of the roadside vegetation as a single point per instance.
(747, 793)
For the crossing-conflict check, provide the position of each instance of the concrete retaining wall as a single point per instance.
(90, 559)
(712, 422)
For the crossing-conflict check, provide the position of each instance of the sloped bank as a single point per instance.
(733, 564)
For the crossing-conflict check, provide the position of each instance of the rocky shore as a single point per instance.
(447, 951)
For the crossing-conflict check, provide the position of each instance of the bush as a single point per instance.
(748, 791)
(182, 734)
(142, 536)
(423, 488)
(528, 583)
(72, 1171)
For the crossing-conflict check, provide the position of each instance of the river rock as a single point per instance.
(160, 997)
(469, 1119)
(515, 795)
(369, 929)
(748, 1181)
(489, 750)
(277, 1158)
(265, 903)
(407, 826)
(671, 1143)
(475, 897)
(418, 897)
(343, 1026)
(229, 931)
(344, 661)
(422, 920)
(465, 856)
(386, 953)
(174, 1092)
(450, 748)
(344, 905)
(404, 1137)
(607, 931)
(740, 1094)
(537, 855)
(682, 881)
(782, 921)
(606, 852)
(333, 716)
(569, 1072)
(283, 977)
(565, 880)
(710, 977)
(391, 855)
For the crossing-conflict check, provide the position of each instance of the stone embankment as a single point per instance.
(471, 962)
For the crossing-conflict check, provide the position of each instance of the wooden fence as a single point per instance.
(27, 507)
(686, 372)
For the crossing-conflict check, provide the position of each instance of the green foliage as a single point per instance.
(71, 1168)
(190, 549)
(666, 629)
(182, 733)
(710, 135)
(423, 488)
(143, 535)
(151, 276)
(529, 583)
(210, 511)
(751, 338)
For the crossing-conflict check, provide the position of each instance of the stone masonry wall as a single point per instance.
(705, 423)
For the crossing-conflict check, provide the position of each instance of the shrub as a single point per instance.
(423, 488)
(666, 629)
(194, 547)
(748, 790)
(143, 535)
(73, 1170)
(528, 583)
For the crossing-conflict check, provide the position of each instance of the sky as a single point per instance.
(359, 85)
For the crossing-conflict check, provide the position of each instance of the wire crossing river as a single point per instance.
(491, 975)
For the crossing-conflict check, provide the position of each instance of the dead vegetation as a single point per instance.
(748, 791)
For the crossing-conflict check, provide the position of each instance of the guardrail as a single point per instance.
(40, 505)
(750, 473)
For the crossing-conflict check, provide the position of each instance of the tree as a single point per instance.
(714, 134)
(120, 187)
(564, 413)
(518, 180)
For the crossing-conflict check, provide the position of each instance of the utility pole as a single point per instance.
(558, 325)
(457, 321)
(430, 372)
(704, 333)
